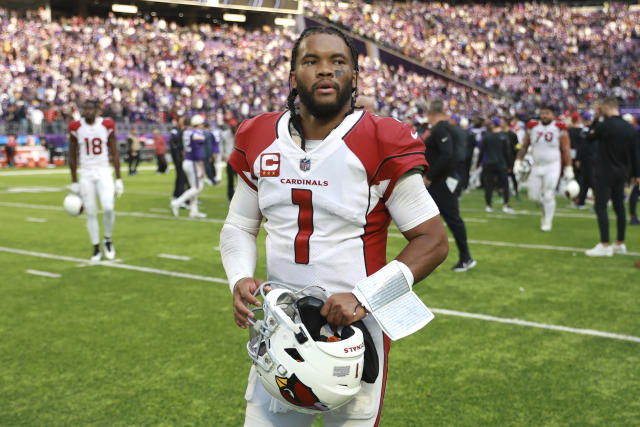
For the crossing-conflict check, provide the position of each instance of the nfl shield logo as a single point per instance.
(305, 164)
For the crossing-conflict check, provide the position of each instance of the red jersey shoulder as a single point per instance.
(561, 125)
(74, 125)
(532, 123)
(108, 123)
(394, 134)
(262, 127)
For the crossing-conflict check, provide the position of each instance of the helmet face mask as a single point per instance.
(296, 362)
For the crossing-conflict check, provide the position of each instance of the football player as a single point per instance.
(193, 165)
(91, 140)
(551, 149)
(328, 178)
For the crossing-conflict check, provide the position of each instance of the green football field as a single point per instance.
(537, 334)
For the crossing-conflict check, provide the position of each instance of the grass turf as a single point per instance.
(111, 346)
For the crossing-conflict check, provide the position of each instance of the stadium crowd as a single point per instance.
(537, 53)
(148, 70)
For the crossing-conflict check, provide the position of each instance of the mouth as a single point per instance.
(325, 87)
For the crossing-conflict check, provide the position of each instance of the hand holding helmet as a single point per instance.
(298, 359)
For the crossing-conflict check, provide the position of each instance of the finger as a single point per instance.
(248, 298)
(242, 309)
(241, 321)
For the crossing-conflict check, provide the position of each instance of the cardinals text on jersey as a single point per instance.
(326, 219)
(93, 141)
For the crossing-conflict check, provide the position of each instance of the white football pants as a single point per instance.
(362, 411)
(94, 183)
(542, 184)
(194, 170)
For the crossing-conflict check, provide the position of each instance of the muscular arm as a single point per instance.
(524, 147)
(417, 216)
(565, 149)
(427, 248)
(115, 156)
(73, 157)
(240, 252)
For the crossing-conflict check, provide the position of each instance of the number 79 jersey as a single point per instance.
(93, 141)
(326, 220)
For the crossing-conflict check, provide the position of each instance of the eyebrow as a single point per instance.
(314, 55)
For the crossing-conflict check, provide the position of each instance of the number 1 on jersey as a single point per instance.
(302, 198)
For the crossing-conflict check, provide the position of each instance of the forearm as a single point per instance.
(426, 250)
(416, 215)
(238, 236)
(73, 162)
(239, 253)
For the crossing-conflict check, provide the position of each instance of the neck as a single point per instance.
(318, 128)
(437, 118)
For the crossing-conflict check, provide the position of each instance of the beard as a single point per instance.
(546, 122)
(325, 110)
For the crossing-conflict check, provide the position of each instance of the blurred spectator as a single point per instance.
(160, 147)
(495, 158)
(10, 150)
(36, 116)
(177, 156)
(134, 146)
(50, 117)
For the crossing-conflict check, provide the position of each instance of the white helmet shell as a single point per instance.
(73, 204)
(571, 189)
(304, 374)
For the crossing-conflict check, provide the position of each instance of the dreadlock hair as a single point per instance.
(293, 93)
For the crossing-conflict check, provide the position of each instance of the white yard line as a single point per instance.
(119, 213)
(441, 311)
(559, 213)
(525, 245)
(61, 171)
(176, 257)
(391, 234)
(43, 273)
(591, 332)
(30, 219)
(113, 264)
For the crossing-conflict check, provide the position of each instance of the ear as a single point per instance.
(292, 80)
(354, 81)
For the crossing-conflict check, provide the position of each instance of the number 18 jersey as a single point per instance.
(326, 221)
(93, 141)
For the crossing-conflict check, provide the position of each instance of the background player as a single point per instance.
(551, 148)
(328, 179)
(193, 166)
(91, 139)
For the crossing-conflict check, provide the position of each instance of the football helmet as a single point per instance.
(298, 358)
(571, 189)
(73, 204)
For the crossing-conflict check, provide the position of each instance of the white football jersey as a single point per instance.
(326, 221)
(545, 141)
(93, 141)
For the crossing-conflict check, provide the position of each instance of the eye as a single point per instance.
(339, 61)
(308, 61)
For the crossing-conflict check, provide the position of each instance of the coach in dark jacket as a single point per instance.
(615, 161)
(177, 156)
(442, 179)
(495, 157)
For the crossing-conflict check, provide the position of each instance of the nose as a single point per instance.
(325, 69)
